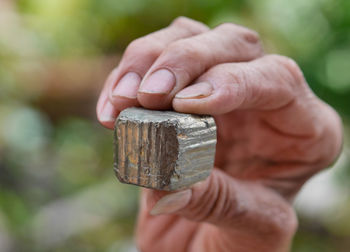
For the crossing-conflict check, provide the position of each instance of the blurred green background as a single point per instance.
(57, 187)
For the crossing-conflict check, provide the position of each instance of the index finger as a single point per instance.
(121, 88)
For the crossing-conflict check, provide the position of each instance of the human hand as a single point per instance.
(273, 134)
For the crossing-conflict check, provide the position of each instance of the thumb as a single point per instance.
(227, 202)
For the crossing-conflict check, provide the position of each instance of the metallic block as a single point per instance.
(163, 150)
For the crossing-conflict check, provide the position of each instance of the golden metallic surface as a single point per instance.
(163, 150)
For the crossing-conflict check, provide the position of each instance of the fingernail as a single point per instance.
(128, 86)
(107, 113)
(159, 82)
(172, 202)
(195, 91)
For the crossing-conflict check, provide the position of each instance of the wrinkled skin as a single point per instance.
(273, 135)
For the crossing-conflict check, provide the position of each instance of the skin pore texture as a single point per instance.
(273, 135)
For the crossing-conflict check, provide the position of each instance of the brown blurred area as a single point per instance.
(71, 86)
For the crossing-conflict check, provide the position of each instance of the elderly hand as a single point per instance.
(273, 134)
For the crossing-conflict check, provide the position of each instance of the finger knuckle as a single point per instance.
(189, 24)
(182, 21)
(230, 73)
(247, 34)
(332, 134)
(227, 26)
(134, 46)
(142, 47)
(291, 67)
(218, 70)
(184, 49)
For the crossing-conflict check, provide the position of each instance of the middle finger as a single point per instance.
(185, 59)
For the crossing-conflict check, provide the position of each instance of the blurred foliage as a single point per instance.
(56, 179)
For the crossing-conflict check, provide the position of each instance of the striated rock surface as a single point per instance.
(163, 150)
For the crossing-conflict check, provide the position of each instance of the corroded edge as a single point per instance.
(173, 117)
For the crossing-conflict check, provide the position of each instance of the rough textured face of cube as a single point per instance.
(163, 150)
